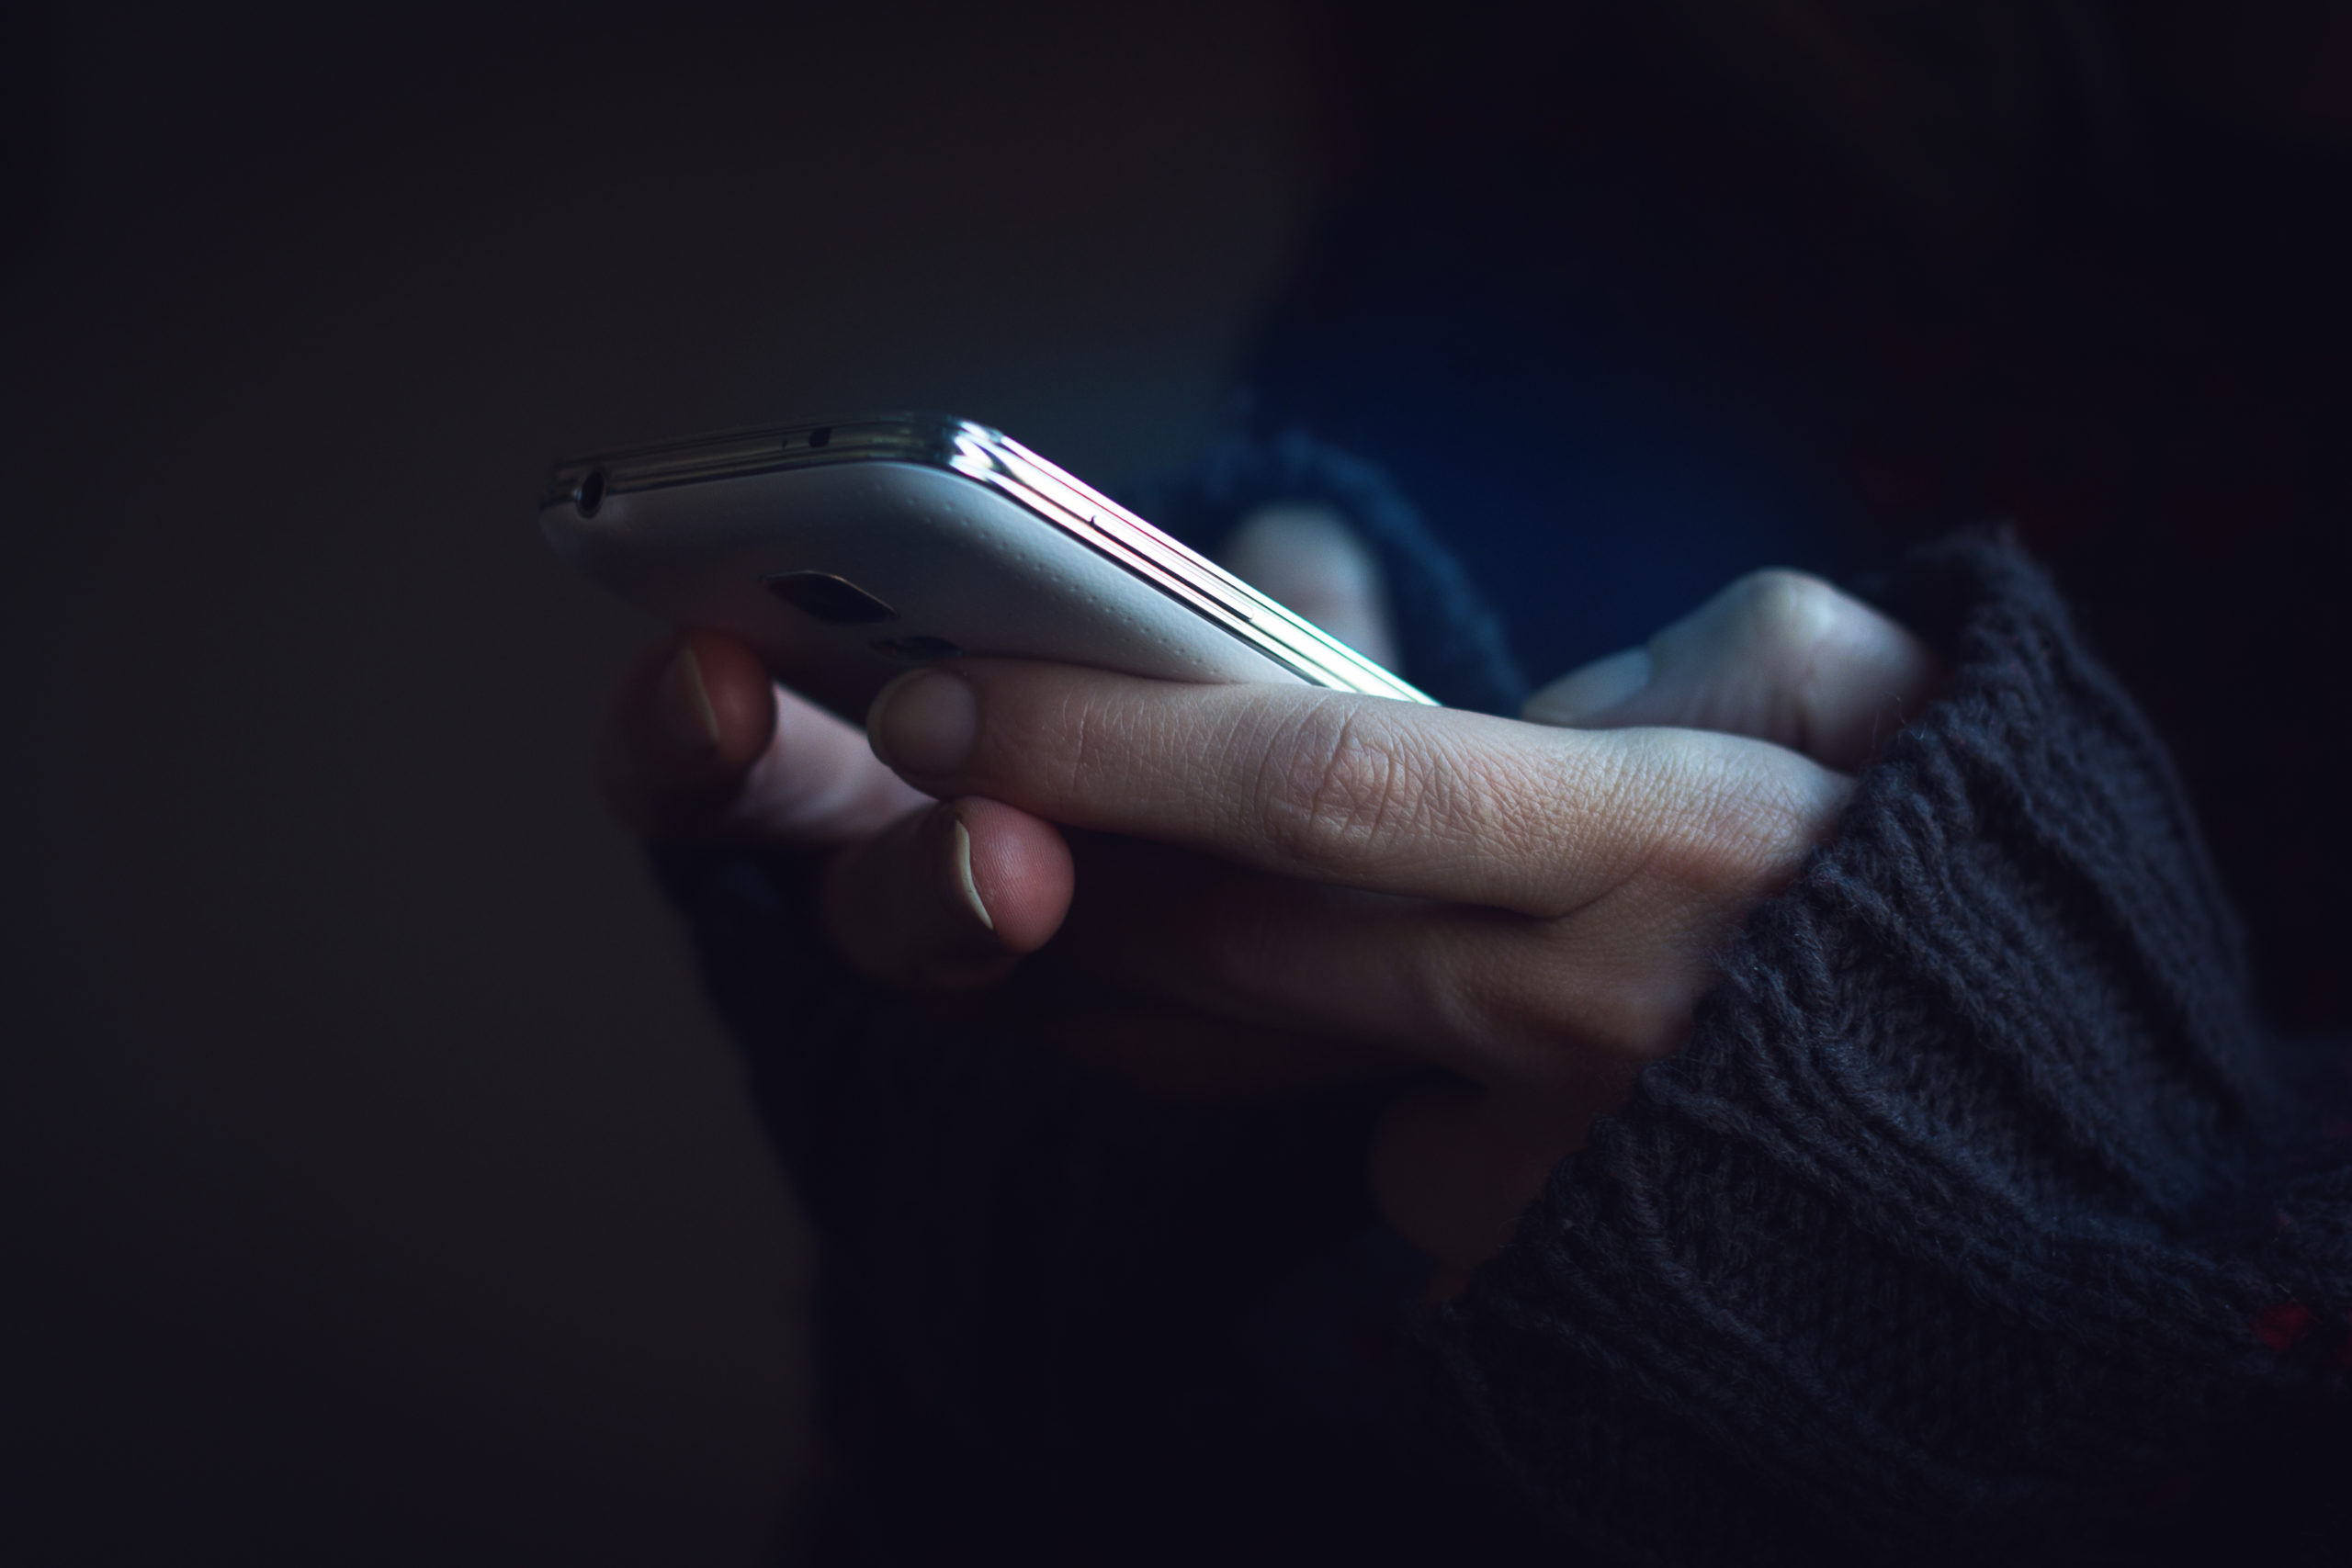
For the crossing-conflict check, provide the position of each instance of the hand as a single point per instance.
(698, 742)
(1530, 909)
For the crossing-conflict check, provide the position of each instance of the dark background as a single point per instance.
(380, 1188)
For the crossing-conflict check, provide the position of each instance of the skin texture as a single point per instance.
(1291, 889)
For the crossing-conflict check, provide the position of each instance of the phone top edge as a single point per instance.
(998, 462)
(906, 436)
(1269, 620)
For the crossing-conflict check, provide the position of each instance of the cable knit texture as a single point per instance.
(1975, 1214)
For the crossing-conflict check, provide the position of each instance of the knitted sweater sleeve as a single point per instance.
(1966, 1217)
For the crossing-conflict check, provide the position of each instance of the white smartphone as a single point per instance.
(845, 553)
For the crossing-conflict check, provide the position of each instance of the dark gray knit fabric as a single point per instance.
(1976, 1214)
(1965, 1215)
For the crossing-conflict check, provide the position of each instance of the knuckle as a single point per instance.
(1337, 789)
(1789, 612)
(1800, 631)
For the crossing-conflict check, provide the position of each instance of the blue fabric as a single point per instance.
(1594, 483)
(1453, 642)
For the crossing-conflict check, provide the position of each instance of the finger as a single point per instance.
(698, 740)
(1356, 791)
(686, 720)
(948, 897)
(1779, 656)
(815, 783)
(1308, 560)
(1495, 997)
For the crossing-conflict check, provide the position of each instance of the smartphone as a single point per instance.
(845, 553)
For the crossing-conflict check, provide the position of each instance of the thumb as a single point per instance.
(1778, 656)
(950, 897)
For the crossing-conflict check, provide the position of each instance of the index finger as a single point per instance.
(1361, 792)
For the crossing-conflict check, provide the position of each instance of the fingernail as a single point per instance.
(683, 704)
(962, 853)
(925, 723)
(1594, 689)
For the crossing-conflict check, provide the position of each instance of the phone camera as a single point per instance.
(589, 494)
(836, 601)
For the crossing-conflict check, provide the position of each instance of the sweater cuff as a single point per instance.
(1891, 1248)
